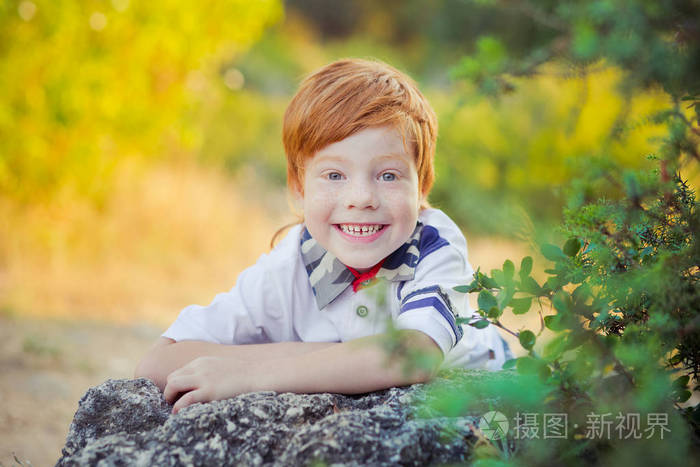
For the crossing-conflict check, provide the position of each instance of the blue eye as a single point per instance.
(388, 177)
(334, 176)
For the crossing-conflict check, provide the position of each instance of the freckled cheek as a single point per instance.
(319, 204)
(402, 199)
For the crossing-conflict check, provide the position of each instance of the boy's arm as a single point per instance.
(166, 355)
(354, 367)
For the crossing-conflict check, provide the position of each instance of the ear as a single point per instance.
(297, 193)
(422, 202)
(296, 200)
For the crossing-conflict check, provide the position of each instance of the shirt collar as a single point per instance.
(329, 277)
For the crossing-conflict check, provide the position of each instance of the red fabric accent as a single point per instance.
(360, 277)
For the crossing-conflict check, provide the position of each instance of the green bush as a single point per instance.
(622, 295)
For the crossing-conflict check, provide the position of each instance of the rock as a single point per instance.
(128, 422)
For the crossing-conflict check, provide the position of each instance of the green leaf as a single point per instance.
(581, 294)
(486, 300)
(521, 305)
(491, 53)
(468, 67)
(553, 322)
(508, 270)
(585, 41)
(530, 285)
(554, 283)
(682, 396)
(498, 276)
(494, 312)
(504, 297)
(481, 324)
(462, 288)
(681, 382)
(527, 365)
(552, 252)
(508, 364)
(525, 266)
(571, 247)
(527, 339)
(562, 302)
(556, 346)
(573, 340)
(487, 282)
(676, 359)
(632, 185)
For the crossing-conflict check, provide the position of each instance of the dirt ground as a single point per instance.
(46, 366)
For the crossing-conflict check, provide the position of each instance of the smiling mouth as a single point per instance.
(360, 230)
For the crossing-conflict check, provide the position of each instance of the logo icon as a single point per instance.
(494, 425)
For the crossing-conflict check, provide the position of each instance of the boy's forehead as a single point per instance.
(372, 144)
(386, 139)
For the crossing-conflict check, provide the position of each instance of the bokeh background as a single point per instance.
(141, 164)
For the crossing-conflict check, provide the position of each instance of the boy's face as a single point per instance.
(361, 196)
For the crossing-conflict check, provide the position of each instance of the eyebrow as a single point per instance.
(328, 157)
(338, 158)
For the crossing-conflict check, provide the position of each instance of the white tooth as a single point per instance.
(360, 230)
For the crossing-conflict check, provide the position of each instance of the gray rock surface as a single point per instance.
(128, 422)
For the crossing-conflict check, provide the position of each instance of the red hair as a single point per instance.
(350, 95)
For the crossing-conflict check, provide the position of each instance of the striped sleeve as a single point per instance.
(430, 299)
(428, 303)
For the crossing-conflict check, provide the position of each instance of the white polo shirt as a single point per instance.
(301, 292)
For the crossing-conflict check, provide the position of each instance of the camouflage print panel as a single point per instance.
(329, 277)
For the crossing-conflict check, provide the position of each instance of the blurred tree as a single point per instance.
(84, 83)
(622, 294)
(332, 19)
(520, 149)
(445, 26)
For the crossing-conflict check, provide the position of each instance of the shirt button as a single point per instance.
(362, 311)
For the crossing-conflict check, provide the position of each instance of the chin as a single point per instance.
(360, 264)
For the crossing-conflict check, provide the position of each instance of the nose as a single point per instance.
(361, 194)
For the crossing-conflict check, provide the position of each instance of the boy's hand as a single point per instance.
(207, 379)
(351, 367)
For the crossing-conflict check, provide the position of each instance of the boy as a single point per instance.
(309, 316)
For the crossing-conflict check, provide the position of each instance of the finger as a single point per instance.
(188, 399)
(176, 385)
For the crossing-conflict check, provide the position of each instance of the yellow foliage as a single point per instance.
(97, 96)
(89, 82)
(522, 140)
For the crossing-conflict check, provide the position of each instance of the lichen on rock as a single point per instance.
(128, 422)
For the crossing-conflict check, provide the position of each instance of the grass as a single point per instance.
(38, 346)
